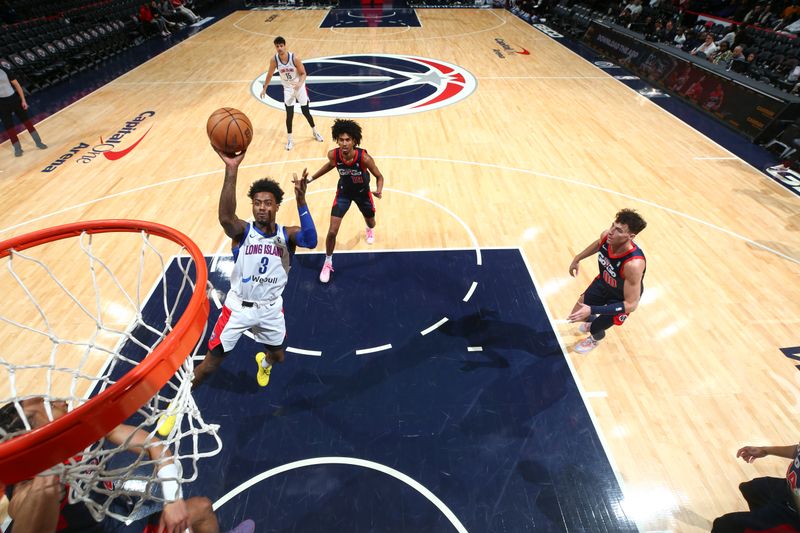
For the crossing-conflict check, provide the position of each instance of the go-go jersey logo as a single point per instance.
(375, 85)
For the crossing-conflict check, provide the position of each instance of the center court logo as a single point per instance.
(109, 148)
(376, 85)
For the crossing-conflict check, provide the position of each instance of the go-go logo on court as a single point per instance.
(375, 85)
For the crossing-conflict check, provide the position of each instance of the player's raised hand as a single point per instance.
(751, 453)
(230, 160)
(300, 186)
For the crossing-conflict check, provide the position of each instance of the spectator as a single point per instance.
(723, 55)
(791, 10)
(680, 37)
(180, 7)
(771, 500)
(631, 12)
(152, 22)
(729, 37)
(668, 34)
(753, 15)
(707, 49)
(738, 61)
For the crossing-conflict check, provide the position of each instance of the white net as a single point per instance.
(76, 315)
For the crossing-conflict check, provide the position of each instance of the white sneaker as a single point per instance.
(289, 144)
(325, 275)
(318, 137)
(370, 235)
(586, 345)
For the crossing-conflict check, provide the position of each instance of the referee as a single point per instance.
(12, 101)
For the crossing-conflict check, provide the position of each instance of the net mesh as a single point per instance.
(76, 315)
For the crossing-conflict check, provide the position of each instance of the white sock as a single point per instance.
(289, 137)
(314, 129)
(329, 259)
(264, 364)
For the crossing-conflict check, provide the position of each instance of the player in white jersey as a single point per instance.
(262, 252)
(293, 77)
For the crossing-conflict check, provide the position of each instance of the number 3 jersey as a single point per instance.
(261, 265)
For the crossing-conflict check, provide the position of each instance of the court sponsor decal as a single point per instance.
(508, 49)
(108, 147)
(271, 17)
(550, 32)
(788, 178)
(375, 85)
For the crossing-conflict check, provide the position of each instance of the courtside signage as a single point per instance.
(550, 32)
(375, 85)
(507, 48)
(788, 178)
(116, 146)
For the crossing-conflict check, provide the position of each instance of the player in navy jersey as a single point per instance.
(40, 505)
(773, 501)
(354, 166)
(615, 292)
(292, 74)
(262, 253)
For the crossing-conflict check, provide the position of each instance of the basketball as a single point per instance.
(229, 130)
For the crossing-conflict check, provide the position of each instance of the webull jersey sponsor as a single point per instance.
(261, 265)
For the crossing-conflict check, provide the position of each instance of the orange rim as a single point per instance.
(27, 455)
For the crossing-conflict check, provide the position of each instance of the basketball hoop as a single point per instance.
(73, 445)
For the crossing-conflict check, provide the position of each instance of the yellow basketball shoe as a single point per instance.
(263, 373)
(166, 421)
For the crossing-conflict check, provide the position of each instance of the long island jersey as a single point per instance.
(612, 268)
(255, 303)
(288, 74)
(261, 265)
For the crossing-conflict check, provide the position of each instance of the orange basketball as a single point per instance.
(229, 130)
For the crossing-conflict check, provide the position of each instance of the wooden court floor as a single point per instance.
(539, 157)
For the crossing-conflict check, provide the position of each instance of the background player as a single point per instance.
(354, 165)
(615, 292)
(262, 253)
(293, 77)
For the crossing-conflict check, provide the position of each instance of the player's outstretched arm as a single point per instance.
(327, 167)
(751, 453)
(234, 226)
(306, 235)
(35, 505)
(373, 168)
(270, 71)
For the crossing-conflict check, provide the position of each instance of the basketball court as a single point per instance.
(431, 385)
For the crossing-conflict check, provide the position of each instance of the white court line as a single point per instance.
(441, 160)
(365, 351)
(346, 461)
(474, 348)
(576, 379)
(542, 77)
(503, 22)
(674, 117)
(470, 291)
(315, 353)
(433, 327)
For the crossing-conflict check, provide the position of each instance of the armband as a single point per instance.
(610, 309)
(170, 487)
(307, 236)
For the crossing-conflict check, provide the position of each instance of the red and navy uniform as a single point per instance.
(609, 285)
(773, 504)
(353, 185)
(76, 518)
